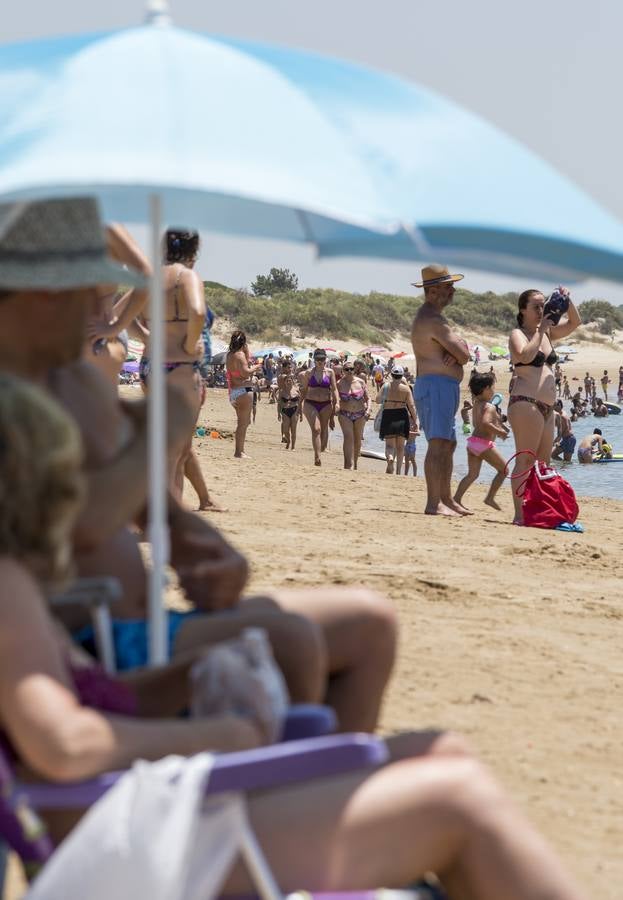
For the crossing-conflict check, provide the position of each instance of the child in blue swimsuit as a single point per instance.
(410, 451)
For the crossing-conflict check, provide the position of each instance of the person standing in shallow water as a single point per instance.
(440, 357)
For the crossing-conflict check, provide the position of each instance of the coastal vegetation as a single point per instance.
(276, 311)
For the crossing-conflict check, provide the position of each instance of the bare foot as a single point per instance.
(458, 508)
(440, 510)
(390, 467)
(317, 462)
(241, 456)
(493, 503)
(211, 506)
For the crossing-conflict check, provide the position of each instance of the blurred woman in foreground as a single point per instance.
(432, 809)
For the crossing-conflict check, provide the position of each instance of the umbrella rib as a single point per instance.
(416, 236)
(306, 228)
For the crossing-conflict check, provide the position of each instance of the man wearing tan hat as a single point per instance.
(440, 355)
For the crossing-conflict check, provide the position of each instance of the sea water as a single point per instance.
(598, 480)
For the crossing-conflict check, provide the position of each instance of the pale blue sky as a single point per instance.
(546, 71)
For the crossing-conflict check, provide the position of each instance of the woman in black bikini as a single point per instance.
(185, 313)
(319, 401)
(533, 393)
(288, 400)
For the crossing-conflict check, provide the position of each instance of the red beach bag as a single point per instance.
(547, 499)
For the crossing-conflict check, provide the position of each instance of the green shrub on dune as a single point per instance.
(373, 318)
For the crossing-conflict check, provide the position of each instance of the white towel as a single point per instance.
(153, 835)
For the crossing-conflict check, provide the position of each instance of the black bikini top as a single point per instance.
(540, 360)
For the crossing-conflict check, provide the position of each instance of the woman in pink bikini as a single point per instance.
(531, 404)
(354, 412)
(239, 373)
(319, 401)
(480, 444)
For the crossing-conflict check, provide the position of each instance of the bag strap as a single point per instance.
(514, 456)
(521, 488)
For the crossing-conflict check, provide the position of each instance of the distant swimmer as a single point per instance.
(592, 446)
(565, 442)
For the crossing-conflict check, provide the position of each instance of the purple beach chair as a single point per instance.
(280, 764)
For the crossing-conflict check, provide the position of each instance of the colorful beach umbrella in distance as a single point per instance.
(500, 352)
(380, 351)
(398, 355)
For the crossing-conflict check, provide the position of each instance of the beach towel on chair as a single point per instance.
(152, 835)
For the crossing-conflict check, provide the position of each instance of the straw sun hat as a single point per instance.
(435, 274)
(56, 244)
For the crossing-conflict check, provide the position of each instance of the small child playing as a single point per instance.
(465, 416)
(410, 451)
(480, 445)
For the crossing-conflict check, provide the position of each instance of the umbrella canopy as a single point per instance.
(566, 350)
(478, 348)
(218, 359)
(115, 115)
(65, 104)
(467, 193)
(260, 354)
(376, 351)
(501, 352)
(218, 346)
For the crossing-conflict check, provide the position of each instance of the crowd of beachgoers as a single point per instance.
(74, 495)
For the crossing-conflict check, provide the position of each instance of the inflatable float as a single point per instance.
(616, 457)
(613, 409)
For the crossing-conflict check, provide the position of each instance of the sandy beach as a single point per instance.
(509, 635)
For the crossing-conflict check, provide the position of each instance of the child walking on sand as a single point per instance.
(480, 445)
(410, 451)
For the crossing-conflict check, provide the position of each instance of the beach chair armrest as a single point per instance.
(247, 770)
(307, 720)
(90, 592)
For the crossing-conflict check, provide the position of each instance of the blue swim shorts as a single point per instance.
(131, 638)
(567, 444)
(437, 401)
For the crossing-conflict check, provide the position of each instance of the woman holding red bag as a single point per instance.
(533, 394)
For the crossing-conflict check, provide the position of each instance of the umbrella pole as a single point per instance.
(158, 529)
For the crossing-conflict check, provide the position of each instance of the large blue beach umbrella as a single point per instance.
(466, 192)
(166, 126)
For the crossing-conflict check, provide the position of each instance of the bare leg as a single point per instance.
(243, 414)
(435, 472)
(474, 464)
(285, 430)
(294, 422)
(360, 629)
(528, 426)
(324, 415)
(192, 471)
(390, 454)
(311, 415)
(391, 826)
(400, 453)
(358, 428)
(297, 643)
(495, 459)
(349, 440)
